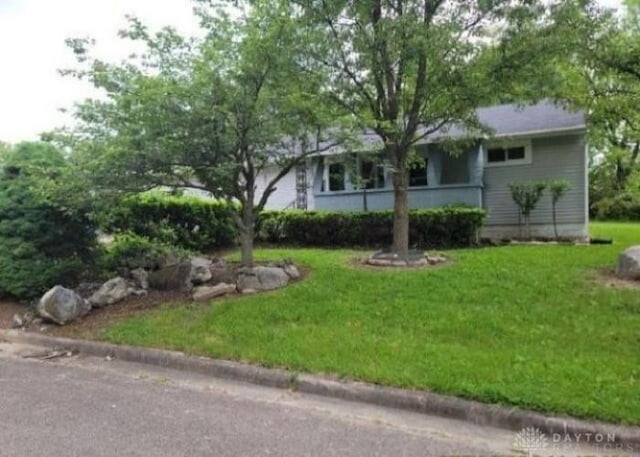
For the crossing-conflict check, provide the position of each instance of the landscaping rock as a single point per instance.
(87, 289)
(271, 278)
(248, 282)
(112, 291)
(140, 278)
(220, 274)
(292, 271)
(17, 321)
(435, 259)
(172, 277)
(62, 305)
(629, 264)
(200, 270)
(203, 293)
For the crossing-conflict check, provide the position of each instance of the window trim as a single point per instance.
(528, 153)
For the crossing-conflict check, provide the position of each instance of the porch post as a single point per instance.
(476, 165)
(434, 167)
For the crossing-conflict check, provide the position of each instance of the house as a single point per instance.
(538, 142)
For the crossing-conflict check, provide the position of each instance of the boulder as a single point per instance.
(248, 282)
(204, 293)
(292, 271)
(140, 278)
(172, 277)
(200, 270)
(62, 305)
(112, 291)
(221, 274)
(271, 277)
(629, 264)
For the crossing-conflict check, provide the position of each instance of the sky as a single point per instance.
(32, 49)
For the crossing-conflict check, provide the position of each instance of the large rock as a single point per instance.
(292, 271)
(61, 305)
(112, 291)
(172, 277)
(629, 264)
(248, 282)
(271, 277)
(200, 270)
(140, 278)
(204, 293)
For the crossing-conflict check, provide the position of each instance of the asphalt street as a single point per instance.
(85, 406)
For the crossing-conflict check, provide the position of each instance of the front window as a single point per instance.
(371, 174)
(418, 174)
(336, 176)
(508, 155)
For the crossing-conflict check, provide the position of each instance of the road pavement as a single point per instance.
(85, 406)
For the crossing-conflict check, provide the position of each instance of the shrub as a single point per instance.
(42, 241)
(429, 228)
(623, 207)
(188, 222)
(129, 251)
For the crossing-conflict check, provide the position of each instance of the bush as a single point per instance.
(188, 222)
(129, 251)
(429, 228)
(42, 242)
(622, 207)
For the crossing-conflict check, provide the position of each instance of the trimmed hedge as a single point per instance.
(429, 228)
(188, 222)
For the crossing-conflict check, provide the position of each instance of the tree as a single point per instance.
(408, 68)
(43, 241)
(526, 196)
(210, 114)
(557, 188)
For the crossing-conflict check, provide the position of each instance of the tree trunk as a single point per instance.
(247, 232)
(401, 210)
(553, 216)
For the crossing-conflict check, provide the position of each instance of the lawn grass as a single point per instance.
(518, 325)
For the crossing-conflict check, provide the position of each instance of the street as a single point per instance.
(84, 406)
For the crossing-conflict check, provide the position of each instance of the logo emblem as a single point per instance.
(529, 440)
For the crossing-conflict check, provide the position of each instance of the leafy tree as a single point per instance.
(211, 114)
(407, 68)
(557, 188)
(526, 196)
(42, 242)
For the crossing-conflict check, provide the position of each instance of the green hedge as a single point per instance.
(429, 228)
(188, 222)
(622, 207)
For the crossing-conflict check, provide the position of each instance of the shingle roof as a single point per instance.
(517, 120)
(509, 120)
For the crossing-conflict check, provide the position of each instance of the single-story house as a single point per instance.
(539, 142)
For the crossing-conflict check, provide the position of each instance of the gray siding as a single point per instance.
(561, 157)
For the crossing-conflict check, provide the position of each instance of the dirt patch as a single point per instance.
(608, 278)
(7, 309)
(98, 319)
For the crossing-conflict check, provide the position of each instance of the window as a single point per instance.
(336, 176)
(508, 155)
(418, 174)
(372, 175)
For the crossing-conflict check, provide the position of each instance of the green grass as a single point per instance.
(519, 325)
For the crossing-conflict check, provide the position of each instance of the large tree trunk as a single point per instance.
(401, 210)
(247, 233)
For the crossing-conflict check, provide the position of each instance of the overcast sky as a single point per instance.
(32, 49)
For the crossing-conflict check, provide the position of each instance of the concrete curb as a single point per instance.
(418, 401)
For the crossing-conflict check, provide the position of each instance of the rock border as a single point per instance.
(510, 418)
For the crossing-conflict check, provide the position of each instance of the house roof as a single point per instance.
(504, 121)
(518, 120)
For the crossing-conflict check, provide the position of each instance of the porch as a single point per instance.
(443, 179)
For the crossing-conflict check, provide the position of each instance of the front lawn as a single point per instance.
(520, 325)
